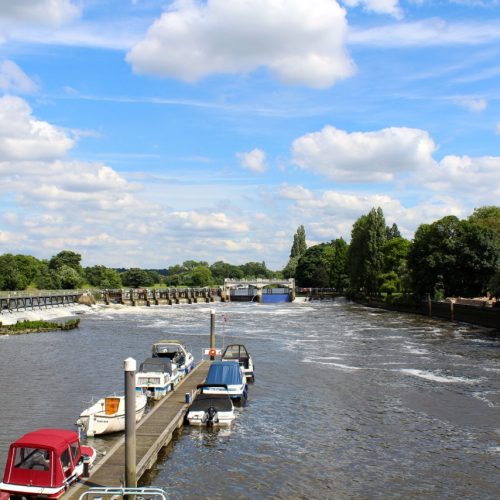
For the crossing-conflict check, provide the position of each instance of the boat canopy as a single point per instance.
(156, 365)
(235, 351)
(43, 457)
(221, 402)
(228, 373)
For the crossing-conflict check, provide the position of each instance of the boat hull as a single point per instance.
(94, 421)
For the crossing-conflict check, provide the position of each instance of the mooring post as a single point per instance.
(130, 367)
(429, 304)
(212, 332)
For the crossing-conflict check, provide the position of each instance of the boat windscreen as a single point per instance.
(156, 365)
(236, 352)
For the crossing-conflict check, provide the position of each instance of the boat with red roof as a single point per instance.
(45, 463)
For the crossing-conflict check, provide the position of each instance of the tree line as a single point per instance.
(449, 257)
(64, 271)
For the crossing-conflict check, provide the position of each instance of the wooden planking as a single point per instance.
(153, 432)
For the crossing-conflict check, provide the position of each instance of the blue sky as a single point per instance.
(145, 133)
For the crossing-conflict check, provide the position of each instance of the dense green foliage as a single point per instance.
(38, 326)
(299, 247)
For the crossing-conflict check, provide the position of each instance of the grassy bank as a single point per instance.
(37, 326)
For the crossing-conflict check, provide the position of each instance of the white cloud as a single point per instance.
(254, 160)
(52, 12)
(13, 79)
(299, 42)
(22, 137)
(472, 104)
(497, 129)
(427, 33)
(475, 179)
(363, 156)
(218, 221)
(390, 7)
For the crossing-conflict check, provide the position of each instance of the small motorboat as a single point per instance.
(226, 377)
(156, 377)
(177, 352)
(239, 353)
(108, 415)
(211, 409)
(45, 463)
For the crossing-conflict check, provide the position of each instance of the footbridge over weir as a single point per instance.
(259, 290)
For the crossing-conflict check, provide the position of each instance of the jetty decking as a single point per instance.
(154, 431)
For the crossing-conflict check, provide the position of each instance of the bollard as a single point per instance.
(187, 398)
(130, 367)
(86, 466)
(212, 332)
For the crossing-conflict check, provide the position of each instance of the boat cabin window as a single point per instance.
(32, 458)
(75, 450)
(65, 460)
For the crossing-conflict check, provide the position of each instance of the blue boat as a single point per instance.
(226, 373)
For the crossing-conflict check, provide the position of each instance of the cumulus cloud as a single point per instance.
(198, 221)
(52, 12)
(254, 160)
(476, 179)
(13, 79)
(23, 137)
(363, 156)
(299, 42)
(390, 7)
(497, 129)
(472, 104)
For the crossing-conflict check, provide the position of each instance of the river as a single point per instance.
(348, 402)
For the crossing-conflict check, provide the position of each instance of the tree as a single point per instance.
(47, 279)
(221, 270)
(67, 258)
(313, 265)
(69, 277)
(392, 232)
(299, 247)
(461, 256)
(365, 258)
(103, 277)
(253, 270)
(488, 217)
(136, 278)
(201, 276)
(338, 265)
(11, 277)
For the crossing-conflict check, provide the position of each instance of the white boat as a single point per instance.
(108, 415)
(211, 409)
(177, 352)
(239, 353)
(156, 377)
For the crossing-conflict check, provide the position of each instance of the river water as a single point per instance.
(348, 402)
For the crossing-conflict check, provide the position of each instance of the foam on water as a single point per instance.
(437, 377)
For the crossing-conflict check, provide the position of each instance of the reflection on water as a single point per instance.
(348, 402)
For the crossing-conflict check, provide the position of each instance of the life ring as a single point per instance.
(212, 352)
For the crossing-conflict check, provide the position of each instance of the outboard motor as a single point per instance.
(210, 417)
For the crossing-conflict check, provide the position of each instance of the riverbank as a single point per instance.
(48, 314)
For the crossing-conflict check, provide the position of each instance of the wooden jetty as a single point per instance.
(154, 432)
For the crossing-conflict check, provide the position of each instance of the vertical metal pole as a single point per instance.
(130, 367)
(212, 331)
(429, 304)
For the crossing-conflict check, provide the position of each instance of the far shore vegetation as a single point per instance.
(449, 257)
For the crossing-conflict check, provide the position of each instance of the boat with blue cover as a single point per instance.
(226, 373)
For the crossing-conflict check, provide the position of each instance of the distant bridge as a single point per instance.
(15, 301)
(259, 290)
